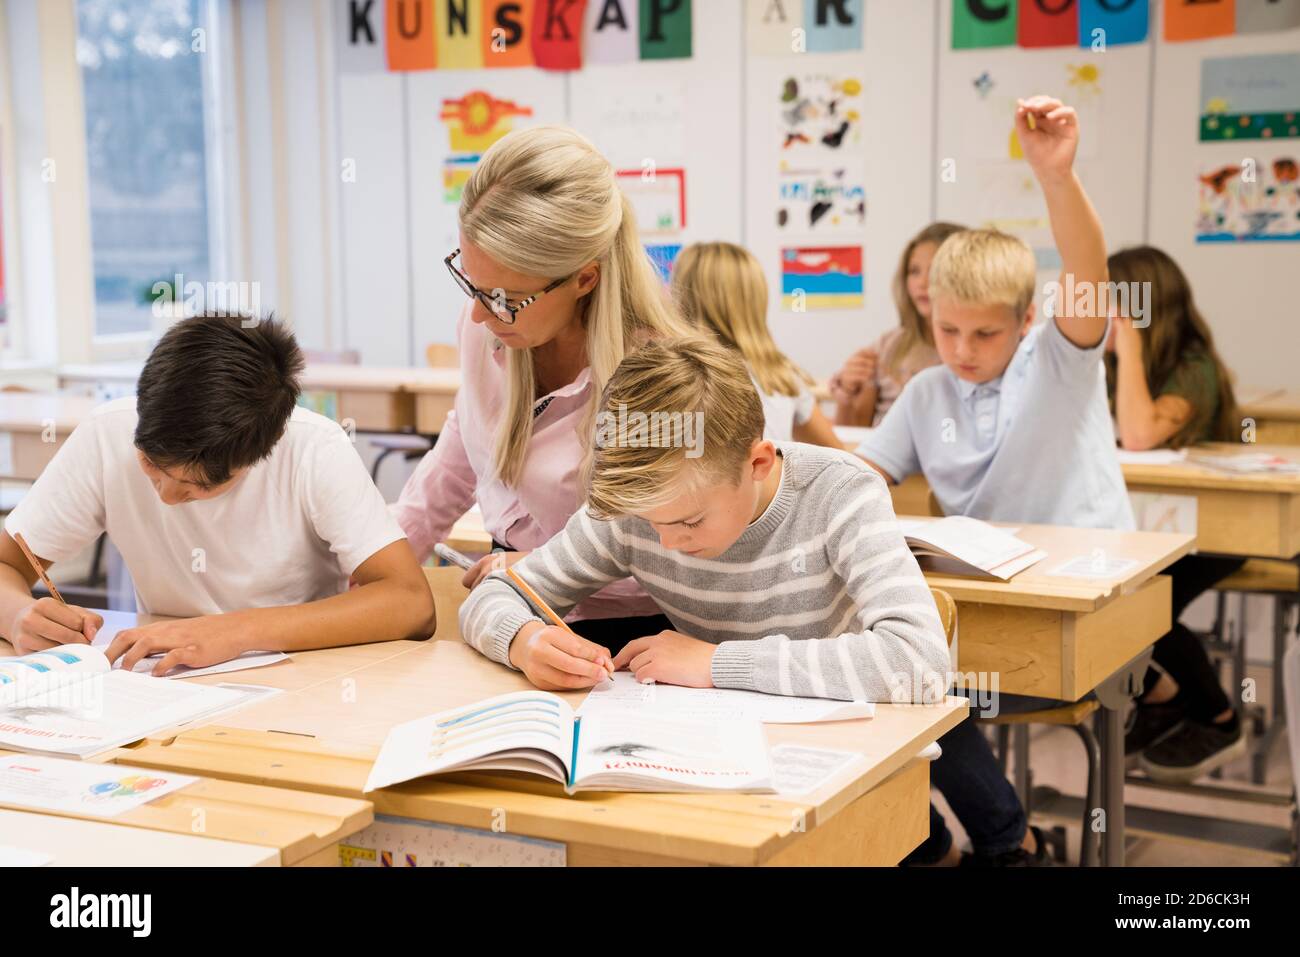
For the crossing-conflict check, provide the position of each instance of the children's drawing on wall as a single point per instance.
(1011, 200)
(474, 122)
(1250, 97)
(1251, 201)
(989, 109)
(633, 124)
(820, 118)
(818, 202)
(658, 197)
(663, 255)
(815, 278)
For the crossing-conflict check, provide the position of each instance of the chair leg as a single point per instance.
(1089, 840)
(1023, 782)
(379, 460)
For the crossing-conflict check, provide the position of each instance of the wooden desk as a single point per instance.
(284, 827)
(34, 426)
(1057, 637)
(469, 536)
(76, 843)
(435, 395)
(1255, 516)
(875, 814)
(384, 399)
(1276, 414)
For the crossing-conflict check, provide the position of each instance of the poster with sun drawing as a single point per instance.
(989, 109)
(474, 122)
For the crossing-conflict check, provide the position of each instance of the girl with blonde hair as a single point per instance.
(559, 288)
(720, 287)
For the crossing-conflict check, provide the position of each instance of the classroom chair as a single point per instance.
(437, 355)
(1279, 580)
(448, 595)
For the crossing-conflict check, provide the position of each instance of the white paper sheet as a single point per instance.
(98, 790)
(11, 856)
(115, 621)
(798, 770)
(624, 692)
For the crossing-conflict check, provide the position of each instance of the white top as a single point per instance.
(1034, 445)
(784, 412)
(291, 530)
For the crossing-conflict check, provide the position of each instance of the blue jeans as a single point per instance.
(968, 777)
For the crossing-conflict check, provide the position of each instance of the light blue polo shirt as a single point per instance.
(1036, 445)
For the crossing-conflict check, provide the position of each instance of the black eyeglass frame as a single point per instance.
(499, 306)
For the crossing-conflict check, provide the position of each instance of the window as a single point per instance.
(143, 66)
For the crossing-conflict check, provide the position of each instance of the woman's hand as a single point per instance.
(488, 564)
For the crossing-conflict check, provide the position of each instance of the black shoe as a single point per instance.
(1193, 750)
(1016, 858)
(1151, 723)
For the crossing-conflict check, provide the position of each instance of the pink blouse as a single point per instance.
(459, 470)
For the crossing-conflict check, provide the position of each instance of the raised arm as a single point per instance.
(1049, 146)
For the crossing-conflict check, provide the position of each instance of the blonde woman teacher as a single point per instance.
(559, 288)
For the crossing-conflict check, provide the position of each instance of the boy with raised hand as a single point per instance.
(781, 566)
(234, 510)
(1014, 427)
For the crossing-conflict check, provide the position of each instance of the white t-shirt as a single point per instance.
(784, 412)
(291, 530)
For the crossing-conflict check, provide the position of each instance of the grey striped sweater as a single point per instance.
(820, 596)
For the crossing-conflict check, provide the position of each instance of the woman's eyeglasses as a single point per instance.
(495, 301)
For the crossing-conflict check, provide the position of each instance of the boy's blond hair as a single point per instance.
(984, 267)
(692, 381)
(720, 287)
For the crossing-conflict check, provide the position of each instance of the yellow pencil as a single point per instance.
(547, 609)
(36, 566)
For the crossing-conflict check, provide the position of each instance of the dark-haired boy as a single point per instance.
(235, 511)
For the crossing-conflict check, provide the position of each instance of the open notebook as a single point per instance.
(68, 701)
(612, 750)
(957, 545)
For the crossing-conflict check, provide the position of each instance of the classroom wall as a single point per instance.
(1138, 159)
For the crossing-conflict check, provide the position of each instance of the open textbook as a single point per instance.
(115, 621)
(68, 701)
(608, 750)
(957, 545)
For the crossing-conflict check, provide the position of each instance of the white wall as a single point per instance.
(920, 109)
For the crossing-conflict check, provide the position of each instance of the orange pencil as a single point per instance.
(36, 564)
(547, 609)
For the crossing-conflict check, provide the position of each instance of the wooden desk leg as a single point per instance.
(1115, 694)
